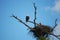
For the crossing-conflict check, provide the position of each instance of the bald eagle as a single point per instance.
(27, 18)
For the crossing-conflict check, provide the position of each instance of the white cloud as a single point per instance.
(55, 7)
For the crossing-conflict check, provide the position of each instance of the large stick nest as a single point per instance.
(41, 30)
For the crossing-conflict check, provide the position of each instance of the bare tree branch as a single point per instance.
(54, 25)
(21, 21)
(33, 22)
(57, 36)
(35, 15)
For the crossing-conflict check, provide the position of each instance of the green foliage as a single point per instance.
(43, 38)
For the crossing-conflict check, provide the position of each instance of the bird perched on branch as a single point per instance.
(27, 18)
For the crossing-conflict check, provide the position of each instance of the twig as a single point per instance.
(57, 36)
(35, 15)
(33, 22)
(55, 25)
(21, 21)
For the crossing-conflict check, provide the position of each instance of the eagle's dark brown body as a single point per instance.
(27, 18)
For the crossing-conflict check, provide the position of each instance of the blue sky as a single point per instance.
(11, 29)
